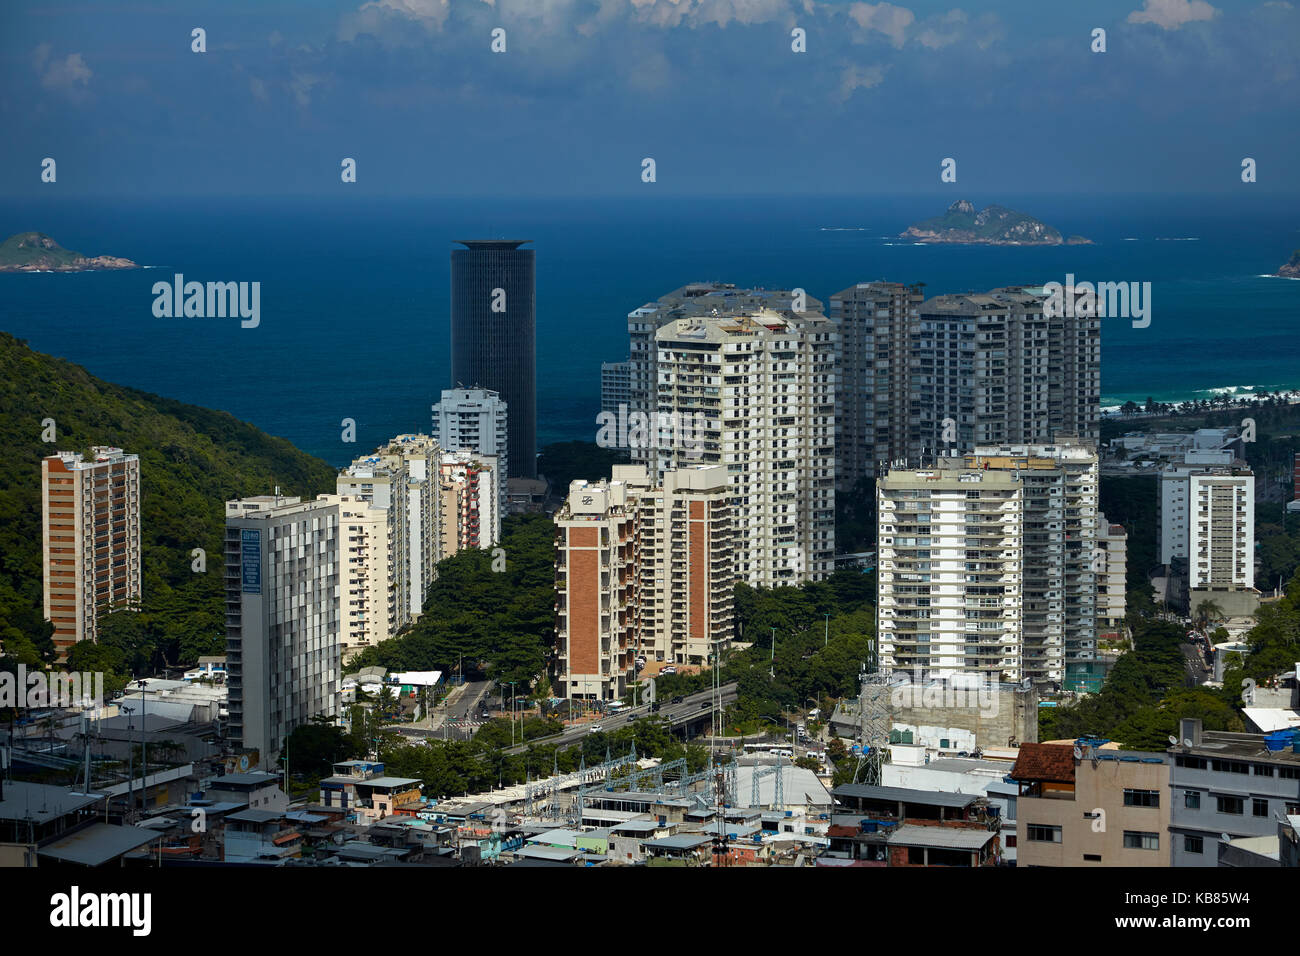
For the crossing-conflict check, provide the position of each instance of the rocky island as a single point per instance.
(991, 226)
(1291, 268)
(37, 252)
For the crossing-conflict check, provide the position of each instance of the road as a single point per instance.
(691, 707)
(1194, 664)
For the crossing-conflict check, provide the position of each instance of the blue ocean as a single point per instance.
(354, 293)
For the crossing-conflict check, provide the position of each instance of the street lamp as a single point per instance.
(827, 641)
(772, 667)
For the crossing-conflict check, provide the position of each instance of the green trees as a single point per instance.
(500, 622)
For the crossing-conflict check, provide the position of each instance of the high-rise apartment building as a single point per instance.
(615, 387)
(283, 642)
(1207, 532)
(696, 298)
(1059, 489)
(471, 501)
(494, 335)
(994, 368)
(949, 572)
(90, 537)
(643, 568)
(474, 419)
(1110, 564)
(756, 394)
(365, 574)
(877, 324)
(402, 478)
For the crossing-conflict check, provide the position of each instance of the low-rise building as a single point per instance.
(1084, 806)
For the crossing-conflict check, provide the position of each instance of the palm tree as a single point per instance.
(1208, 611)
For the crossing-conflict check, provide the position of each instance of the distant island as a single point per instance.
(1291, 268)
(991, 226)
(37, 252)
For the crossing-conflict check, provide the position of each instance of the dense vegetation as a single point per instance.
(501, 623)
(191, 461)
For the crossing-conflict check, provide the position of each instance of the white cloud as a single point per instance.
(68, 74)
(1172, 14)
(939, 32)
(860, 78)
(884, 18)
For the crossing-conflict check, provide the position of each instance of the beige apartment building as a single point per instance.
(755, 393)
(642, 569)
(1082, 805)
(1110, 565)
(365, 573)
(471, 501)
(90, 537)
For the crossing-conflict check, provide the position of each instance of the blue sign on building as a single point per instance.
(250, 569)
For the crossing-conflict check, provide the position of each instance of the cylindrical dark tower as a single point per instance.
(494, 335)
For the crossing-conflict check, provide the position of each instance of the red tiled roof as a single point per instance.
(1053, 763)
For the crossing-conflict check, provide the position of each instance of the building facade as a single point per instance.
(949, 575)
(1059, 496)
(992, 368)
(471, 501)
(693, 299)
(1226, 783)
(877, 322)
(283, 627)
(759, 394)
(1110, 566)
(90, 538)
(494, 335)
(477, 420)
(1083, 806)
(643, 569)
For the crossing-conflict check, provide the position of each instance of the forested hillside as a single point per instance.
(191, 461)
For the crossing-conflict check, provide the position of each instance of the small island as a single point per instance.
(1291, 268)
(991, 226)
(37, 252)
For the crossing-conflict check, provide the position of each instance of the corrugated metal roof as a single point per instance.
(97, 844)
(953, 838)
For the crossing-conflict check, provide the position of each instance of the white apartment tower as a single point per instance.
(283, 642)
(693, 299)
(365, 574)
(756, 394)
(1059, 497)
(90, 539)
(474, 419)
(949, 572)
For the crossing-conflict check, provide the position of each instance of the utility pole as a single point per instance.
(772, 667)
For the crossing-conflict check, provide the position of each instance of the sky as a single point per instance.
(585, 91)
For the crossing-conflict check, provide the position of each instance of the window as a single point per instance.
(1141, 840)
(1259, 807)
(1092, 857)
(1289, 773)
(1193, 844)
(1192, 763)
(1141, 798)
(1192, 799)
(1039, 833)
(1229, 766)
(1233, 805)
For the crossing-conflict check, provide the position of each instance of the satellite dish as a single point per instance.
(243, 763)
(1173, 740)
(1078, 753)
(1225, 837)
(1187, 742)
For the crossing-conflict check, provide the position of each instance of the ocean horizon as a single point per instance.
(355, 292)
